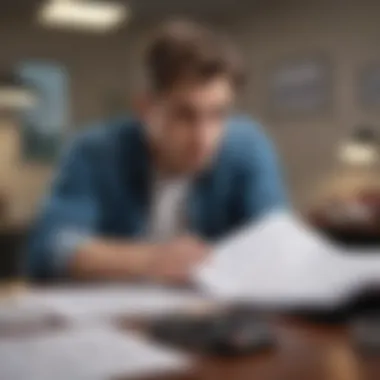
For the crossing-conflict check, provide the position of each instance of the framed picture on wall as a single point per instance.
(43, 126)
(300, 87)
(368, 86)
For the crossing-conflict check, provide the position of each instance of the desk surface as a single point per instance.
(305, 352)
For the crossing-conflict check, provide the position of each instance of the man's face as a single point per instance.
(186, 124)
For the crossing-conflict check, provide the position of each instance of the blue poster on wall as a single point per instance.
(300, 87)
(43, 126)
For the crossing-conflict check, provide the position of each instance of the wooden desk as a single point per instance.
(305, 352)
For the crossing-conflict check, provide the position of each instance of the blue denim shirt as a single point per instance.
(102, 188)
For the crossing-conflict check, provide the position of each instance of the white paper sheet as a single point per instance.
(280, 262)
(84, 303)
(94, 353)
(20, 310)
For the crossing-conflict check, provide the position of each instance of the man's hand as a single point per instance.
(173, 261)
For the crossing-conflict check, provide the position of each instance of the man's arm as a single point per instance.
(110, 259)
(66, 240)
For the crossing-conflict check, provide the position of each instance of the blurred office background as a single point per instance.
(313, 70)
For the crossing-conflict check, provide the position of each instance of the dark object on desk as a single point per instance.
(231, 333)
(365, 333)
(364, 303)
(353, 238)
(352, 222)
(12, 240)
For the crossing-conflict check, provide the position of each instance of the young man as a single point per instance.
(147, 197)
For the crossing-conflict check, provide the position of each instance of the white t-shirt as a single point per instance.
(168, 208)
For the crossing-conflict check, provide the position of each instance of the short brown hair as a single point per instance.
(182, 49)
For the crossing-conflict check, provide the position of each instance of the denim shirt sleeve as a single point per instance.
(68, 217)
(261, 183)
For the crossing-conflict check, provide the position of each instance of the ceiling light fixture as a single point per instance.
(96, 16)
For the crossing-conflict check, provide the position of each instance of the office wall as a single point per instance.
(96, 65)
(346, 32)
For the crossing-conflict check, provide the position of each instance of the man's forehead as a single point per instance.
(212, 91)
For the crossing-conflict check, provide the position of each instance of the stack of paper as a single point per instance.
(94, 353)
(107, 302)
(281, 262)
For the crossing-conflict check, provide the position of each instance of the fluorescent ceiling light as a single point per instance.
(97, 16)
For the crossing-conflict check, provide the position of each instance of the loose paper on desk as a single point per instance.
(277, 262)
(19, 310)
(92, 353)
(99, 302)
